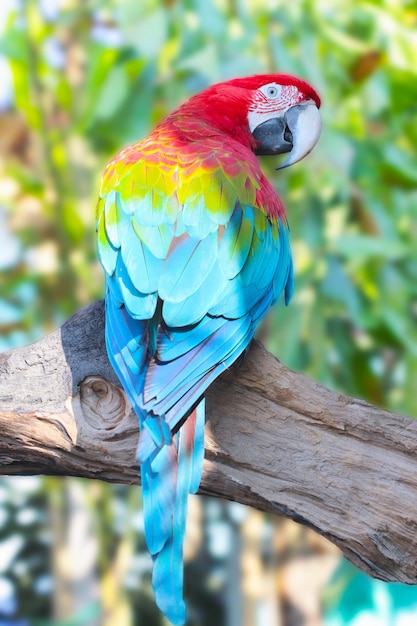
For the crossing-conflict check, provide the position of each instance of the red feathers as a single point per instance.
(255, 82)
(225, 106)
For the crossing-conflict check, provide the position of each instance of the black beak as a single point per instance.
(273, 137)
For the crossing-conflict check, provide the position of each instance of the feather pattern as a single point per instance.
(195, 246)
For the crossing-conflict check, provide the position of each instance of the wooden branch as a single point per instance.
(274, 440)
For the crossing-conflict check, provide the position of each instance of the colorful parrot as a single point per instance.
(194, 242)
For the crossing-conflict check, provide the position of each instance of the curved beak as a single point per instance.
(296, 132)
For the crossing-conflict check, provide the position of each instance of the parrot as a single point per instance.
(194, 243)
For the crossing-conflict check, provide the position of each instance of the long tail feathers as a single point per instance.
(171, 465)
(167, 479)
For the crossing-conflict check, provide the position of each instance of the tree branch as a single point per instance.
(274, 440)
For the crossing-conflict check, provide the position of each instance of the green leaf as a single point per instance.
(399, 168)
(205, 62)
(113, 93)
(149, 34)
(362, 247)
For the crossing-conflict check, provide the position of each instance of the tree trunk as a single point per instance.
(274, 440)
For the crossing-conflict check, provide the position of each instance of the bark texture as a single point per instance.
(275, 440)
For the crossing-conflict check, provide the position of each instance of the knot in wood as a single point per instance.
(103, 404)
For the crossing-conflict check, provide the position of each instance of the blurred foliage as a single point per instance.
(23, 513)
(90, 76)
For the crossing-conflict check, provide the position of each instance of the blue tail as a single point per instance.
(171, 472)
(166, 482)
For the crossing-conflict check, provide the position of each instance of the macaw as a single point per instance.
(194, 243)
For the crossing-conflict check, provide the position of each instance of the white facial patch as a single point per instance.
(271, 100)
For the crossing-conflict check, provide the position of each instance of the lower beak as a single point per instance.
(297, 132)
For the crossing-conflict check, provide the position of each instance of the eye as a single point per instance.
(271, 92)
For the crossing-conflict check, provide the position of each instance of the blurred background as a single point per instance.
(80, 79)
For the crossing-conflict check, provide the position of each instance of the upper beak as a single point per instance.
(296, 132)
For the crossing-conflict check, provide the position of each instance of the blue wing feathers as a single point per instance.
(176, 400)
(111, 218)
(106, 251)
(156, 238)
(174, 342)
(261, 308)
(142, 266)
(289, 285)
(236, 241)
(194, 308)
(236, 299)
(183, 299)
(140, 305)
(190, 262)
(195, 362)
(115, 294)
(126, 340)
(284, 273)
(198, 453)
